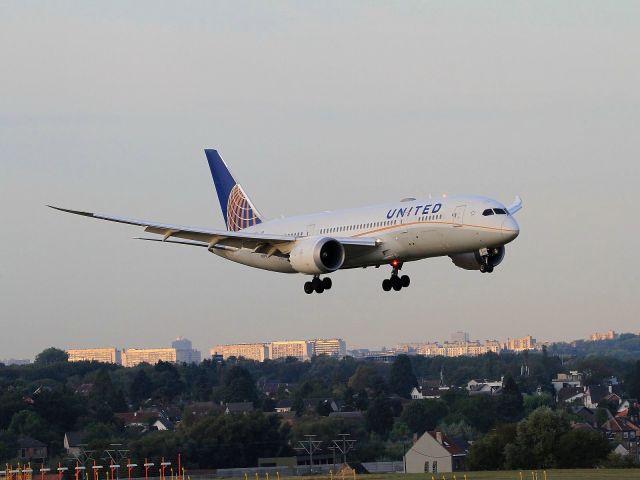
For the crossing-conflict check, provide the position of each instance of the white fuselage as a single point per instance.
(405, 231)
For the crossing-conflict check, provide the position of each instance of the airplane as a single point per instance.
(471, 230)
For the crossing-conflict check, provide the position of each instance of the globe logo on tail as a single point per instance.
(240, 212)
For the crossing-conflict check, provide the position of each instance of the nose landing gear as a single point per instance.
(396, 282)
(317, 285)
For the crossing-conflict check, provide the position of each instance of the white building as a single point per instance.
(434, 453)
(300, 349)
(250, 351)
(104, 355)
(334, 347)
(134, 356)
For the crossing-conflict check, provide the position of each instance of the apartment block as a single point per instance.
(520, 344)
(333, 347)
(609, 335)
(251, 351)
(104, 355)
(134, 356)
(300, 349)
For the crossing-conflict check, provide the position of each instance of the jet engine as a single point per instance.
(317, 255)
(474, 260)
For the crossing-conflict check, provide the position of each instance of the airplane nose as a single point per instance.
(510, 228)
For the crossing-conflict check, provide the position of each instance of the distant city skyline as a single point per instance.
(455, 337)
(108, 106)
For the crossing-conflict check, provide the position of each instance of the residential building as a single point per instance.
(185, 353)
(434, 453)
(104, 355)
(283, 406)
(250, 351)
(429, 393)
(238, 407)
(15, 361)
(135, 356)
(520, 344)
(31, 450)
(623, 432)
(571, 379)
(333, 347)
(597, 336)
(74, 443)
(570, 395)
(300, 349)
(485, 387)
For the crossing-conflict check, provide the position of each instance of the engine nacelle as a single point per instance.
(473, 260)
(316, 255)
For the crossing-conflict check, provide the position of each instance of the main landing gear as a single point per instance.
(317, 285)
(396, 282)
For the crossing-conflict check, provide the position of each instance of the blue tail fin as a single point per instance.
(236, 207)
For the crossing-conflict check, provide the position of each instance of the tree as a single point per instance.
(537, 440)
(580, 448)
(51, 355)
(141, 387)
(103, 391)
(365, 377)
(633, 381)
(401, 377)
(423, 415)
(532, 402)
(239, 386)
(8, 446)
(379, 417)
(29, 423)
(298, 406)
(488, 453)
(510, 404)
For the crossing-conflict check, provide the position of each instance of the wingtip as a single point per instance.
(75, 212)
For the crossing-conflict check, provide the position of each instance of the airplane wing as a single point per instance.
(219, 239)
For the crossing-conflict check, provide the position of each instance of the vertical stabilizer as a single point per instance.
(238, 211)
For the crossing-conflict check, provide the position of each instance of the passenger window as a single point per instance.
(487, 212)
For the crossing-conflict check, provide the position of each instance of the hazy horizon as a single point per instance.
(107, 107)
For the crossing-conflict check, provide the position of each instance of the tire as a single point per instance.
(489, 268)
(327, 283)
(308, 288)
(483, 267)
(315, 282)
(386, 284)
(406, 281)
(396, 283)
(319, 288)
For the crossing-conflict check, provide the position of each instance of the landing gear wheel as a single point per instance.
(483, 267)
(386, 284)
(308, 288)
(396, 283)
(327, 283)
(405, 280)
(319, 288)
(489, 268)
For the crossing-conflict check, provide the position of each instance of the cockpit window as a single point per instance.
(500, 211)
(487, 212)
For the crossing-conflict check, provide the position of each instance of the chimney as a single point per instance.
(439, 437)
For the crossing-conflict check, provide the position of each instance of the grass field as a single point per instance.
(591, 474)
